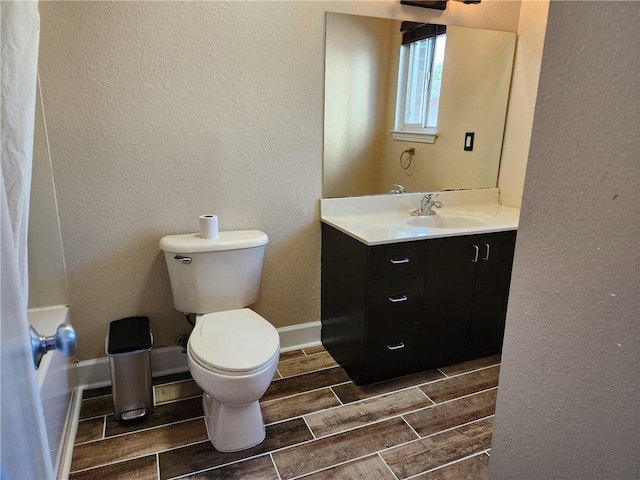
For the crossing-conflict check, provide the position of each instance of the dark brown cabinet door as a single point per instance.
(448, 299)
(491, 293)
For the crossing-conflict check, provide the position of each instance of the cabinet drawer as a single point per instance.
(394, 300)
(405, 258)
(392, 349)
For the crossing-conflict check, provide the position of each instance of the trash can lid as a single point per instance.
(131, 334)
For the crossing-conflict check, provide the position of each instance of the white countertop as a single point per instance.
(382, 219)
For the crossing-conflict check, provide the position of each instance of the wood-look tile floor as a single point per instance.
(430, 425)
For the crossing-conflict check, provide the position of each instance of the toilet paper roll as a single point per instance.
(208, 226)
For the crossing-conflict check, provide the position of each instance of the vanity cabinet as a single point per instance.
(395, 308)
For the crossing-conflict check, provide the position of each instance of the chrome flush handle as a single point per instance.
(185, 260)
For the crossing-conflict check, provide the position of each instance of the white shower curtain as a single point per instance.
(20, 36)
(24, 450)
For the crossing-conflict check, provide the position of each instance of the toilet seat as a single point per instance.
(234, 342)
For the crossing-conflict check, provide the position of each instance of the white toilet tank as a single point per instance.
(212, 275)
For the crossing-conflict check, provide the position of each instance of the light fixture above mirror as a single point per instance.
(437, 4)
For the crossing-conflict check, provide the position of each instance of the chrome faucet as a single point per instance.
(426, 204)
(397, 188)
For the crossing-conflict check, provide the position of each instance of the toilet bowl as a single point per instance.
(233, 356)
(232, 352)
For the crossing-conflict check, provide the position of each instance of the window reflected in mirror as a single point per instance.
(420, 77)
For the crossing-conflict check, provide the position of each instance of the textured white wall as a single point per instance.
(568, 401)
(160, 111)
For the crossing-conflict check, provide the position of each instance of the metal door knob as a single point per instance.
(64, 340)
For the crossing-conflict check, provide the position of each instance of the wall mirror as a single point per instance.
(361, 77)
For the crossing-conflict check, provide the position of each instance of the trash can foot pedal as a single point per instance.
(133, 414)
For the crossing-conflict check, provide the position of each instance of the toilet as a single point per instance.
(232, 352)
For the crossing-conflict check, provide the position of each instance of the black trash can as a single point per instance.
(128, 344)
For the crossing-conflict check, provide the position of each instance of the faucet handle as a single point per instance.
(429, 197)
(397, 188)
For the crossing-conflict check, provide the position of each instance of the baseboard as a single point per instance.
(70, 430)
(299, 336)
(95, 373)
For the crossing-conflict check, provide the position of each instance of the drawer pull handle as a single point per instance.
(403, 298)
(476, 250)
(398, 262)
(396, 347)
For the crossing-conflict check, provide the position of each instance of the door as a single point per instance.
(25, 449)
(492, 293)
(448, 299)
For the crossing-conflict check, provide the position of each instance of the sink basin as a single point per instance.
(445, 221)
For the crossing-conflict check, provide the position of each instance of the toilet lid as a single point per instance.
(234, 340)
